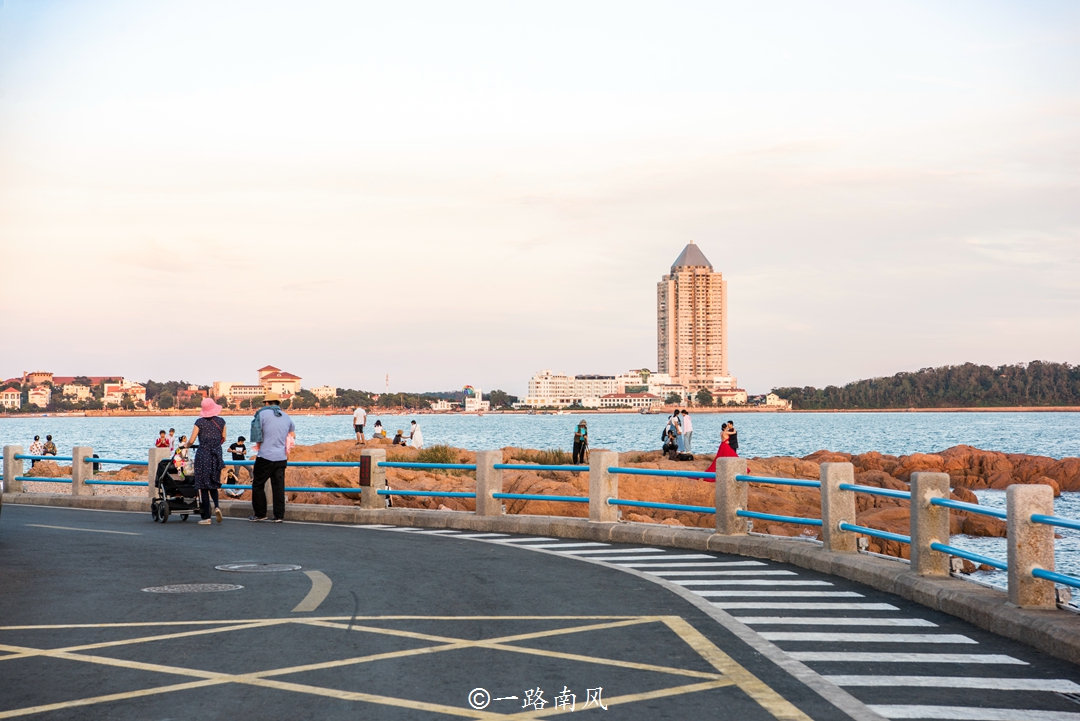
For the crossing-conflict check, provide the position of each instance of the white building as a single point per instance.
(324, 392)
(10, 398)
(559, 390)
(631, 400)
(475, 402)
(77, 391)
(40, 396)
(271, 380)
(736, 396)
(442, 405)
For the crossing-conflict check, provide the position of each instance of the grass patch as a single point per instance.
(548, 457)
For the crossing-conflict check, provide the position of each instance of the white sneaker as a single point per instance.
(205, 522)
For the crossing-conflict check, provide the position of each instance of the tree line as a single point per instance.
(1038, 383)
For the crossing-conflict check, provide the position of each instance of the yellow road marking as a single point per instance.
(320, 589)
(755, 688)
(88, 530)
(105, 699)
(136, 624)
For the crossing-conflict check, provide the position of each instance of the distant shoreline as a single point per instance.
(191, 412)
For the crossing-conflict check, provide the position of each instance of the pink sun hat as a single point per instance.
(209, 408)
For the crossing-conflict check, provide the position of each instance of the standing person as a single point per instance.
(271, 458)
(581, 442)
(162, 441)
(359, 418)
(725, 450)
(239, 453)
(416, 438)
(209, 431)
(687, 430)
(172, 439)
(36, 449)
(50, 447)
(733, 439)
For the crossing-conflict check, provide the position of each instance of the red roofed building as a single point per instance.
(271, 380)
(11, 397)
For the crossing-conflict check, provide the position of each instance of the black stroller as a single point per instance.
(176, 493)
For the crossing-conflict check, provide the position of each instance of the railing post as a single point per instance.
(837, 506)
(602, 486)
(929, 524)
(488, 480)
(153, 458)
(81, 471)
(731, 496)
(12, 467)
(369, 495)
(1031, 545)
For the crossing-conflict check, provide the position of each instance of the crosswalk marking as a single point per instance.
(672, 557)
(866, 637)
(871, 657)
(779, 593)
(970, 713)
(434, 533)
(800, 606)
(832, 621)
(714, 564)
(563, 545)
(746, 582)
(976, 682)
(721, 573)
(528, 540)
(599, 551)
(483, 535)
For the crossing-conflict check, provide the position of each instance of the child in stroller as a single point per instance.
(176, 491)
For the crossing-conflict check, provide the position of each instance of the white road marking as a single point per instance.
(866, 637)
(690, 565)
(831, 621)
(970, 713)
(440, 532)
(320, 589)
(675, 557)
(567, 545)
(799, 606)
(869, 657)
(527, 540)
(483, 535)
(779, 593)
(747, 582)
(591, 552)
(87, 530)
(665, 574)
(992, 684)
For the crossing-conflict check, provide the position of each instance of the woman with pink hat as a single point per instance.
(209, 431)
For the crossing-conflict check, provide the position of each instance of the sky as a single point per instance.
(469, 192)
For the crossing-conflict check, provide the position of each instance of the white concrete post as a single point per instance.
(153, 458)
(369, 495)
(489, 480)
(837, 506)
(602, 486)
(731, 496)
(12, 467)
(929, 524)
(1031, 545)
(81, 471)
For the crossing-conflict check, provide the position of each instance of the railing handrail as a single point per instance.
(28, 457)
(43, 479)
(968, 507)
(114, 461)
(660, 506)
(1055, 577)
(804, 482)
(447, 466)
(969, 555)
(875, 533)
(433, 494)
(539, 467)
(875, 491)
(799, 520)
(1055, 521)
(540, 497)
(661, 472)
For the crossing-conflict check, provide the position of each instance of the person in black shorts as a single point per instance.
(239, 453)
(359, 418)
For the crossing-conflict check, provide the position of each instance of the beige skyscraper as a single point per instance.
(691, 317)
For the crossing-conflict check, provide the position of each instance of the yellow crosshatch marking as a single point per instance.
(727, 671)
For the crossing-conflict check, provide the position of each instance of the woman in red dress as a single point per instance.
(727, 431)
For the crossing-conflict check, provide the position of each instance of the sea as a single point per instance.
(1053, 434)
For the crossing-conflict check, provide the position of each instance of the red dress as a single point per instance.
(724, 451)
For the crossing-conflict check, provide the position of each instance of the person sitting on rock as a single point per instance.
(399, 439)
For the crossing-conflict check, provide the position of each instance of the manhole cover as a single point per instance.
(257, 567)
(193, 588)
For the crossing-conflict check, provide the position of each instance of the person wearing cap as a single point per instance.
(209, 431)
(271, 458)
(581, 442)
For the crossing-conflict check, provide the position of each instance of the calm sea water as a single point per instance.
(760, 434)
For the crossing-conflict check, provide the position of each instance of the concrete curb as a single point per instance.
(1054, 632)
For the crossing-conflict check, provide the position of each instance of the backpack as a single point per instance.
(255, 434)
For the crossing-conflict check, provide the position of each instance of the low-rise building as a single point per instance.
(77, 391)
(474, 403)
(324, 392)
(271, 380)
(442, 405)
(40, 396)
(734, 397)
(10, 398)
(630, 400)
(36, 378)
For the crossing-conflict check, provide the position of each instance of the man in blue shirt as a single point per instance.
(271, 458)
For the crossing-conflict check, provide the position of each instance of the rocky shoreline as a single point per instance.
(969, 468)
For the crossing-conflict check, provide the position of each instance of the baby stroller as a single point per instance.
(176, 492)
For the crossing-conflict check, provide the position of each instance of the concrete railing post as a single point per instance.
(929, 524)
(731, 496)
(12, 467)
(489, 480)
(153, 458)
(1031, 545)
(369, 495)
(81, 471)
(602, 486)
(837, 506)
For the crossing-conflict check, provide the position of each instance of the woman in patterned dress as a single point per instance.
(209, 431)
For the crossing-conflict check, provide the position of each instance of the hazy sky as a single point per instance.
(465, 192)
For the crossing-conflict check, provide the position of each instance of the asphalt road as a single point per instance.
(385, 624)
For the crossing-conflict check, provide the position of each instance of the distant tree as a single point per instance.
(673, 399)
(501, 399)
(704, 397)
(223, 402)
(127, 404)
(82, 381)
(304, 399)
(165, 399)
(93, 404)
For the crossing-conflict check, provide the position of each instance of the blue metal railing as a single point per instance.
(432, 494)
(662, 472)
(540, 497)
(780, 519)
(41, 479)
(1055, 521)
(448, 466)
(661, 506)
(115, 483)
(114, 461)
(1056, 577)
(875, 533)
(538, 467)
(27, 457)
(969, 555)
(875, 491)
(968, 507)
(803, 482)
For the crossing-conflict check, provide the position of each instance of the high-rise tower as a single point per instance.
(691, 322)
